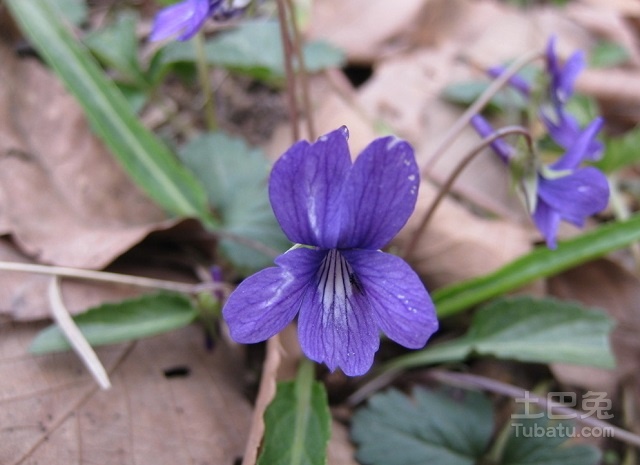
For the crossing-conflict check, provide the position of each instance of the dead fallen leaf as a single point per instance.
(23, 296)
(458, 245)
(171, 402)
(362, 28)
(606, 285)
(341, 451)
(64, 198)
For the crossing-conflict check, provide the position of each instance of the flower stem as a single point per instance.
(205, 83)
(476, 107)
(288, 67)
(444, 190)
(108, 277)
(302, 71)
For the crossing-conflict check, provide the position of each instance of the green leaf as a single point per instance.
(117, 46)
(74, 11)
(607, 54)
(535, 441)
(431, 428)
(297, 423)
(236, 50)
(465, 93)
(235, 177)
(123, 321)
(522, 328)
(540, 263)
(147, 160)
(620, 151)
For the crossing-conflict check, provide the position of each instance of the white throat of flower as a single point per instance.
(336, 285)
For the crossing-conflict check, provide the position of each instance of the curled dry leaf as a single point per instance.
(171, 402)
(64, 198)
(23, 295)
(604, 284)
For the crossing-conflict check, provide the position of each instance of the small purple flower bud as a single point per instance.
(515, 81)
(499, 146)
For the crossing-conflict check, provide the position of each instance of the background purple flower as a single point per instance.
(184, 19)
(565, 192)
(344, 289)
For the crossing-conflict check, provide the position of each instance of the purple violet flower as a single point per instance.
(341, 286)
(562, 77)
(565, 192)
(184, 19)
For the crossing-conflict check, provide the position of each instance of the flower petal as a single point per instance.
(547, 221)
(576, 196)
(183, 19)
(306, 188)
(401, 306)
(263, 304)
(380, 194)
(580, 145)
(335, 325)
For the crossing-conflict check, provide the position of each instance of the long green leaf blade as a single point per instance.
(540, 263)
(147, 160)
(123, 321)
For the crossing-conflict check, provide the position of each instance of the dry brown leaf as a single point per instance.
(52, 412)
(64, 198)
(23, 295)
(606, 285)
(458, 245)
(362, 28)
(341, 450)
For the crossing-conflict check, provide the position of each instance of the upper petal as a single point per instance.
(401, 306)
(306, 189)
(576, 196)
(380, 194)
(263, 304)
(335, 325)
(183, 19)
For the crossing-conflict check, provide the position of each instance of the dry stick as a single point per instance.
(74, 336)
(108, 277)
(444, 190)
(304, 76)
(266, 393)
(288, 66)
(488, 384)
(476, 107)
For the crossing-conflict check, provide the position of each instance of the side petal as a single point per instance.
(580, 145)
(401, 306)
(335, 325)
(576, 196)
(306, 187)
(183, 19)
(380, 194)
(263, 304)
(547, 221)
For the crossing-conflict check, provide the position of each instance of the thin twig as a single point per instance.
(117, 278)
(474, 381)
(288, 67)
(475, 108)
(266, 393)
(446, 187)
(302, 72)
(74, 336)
